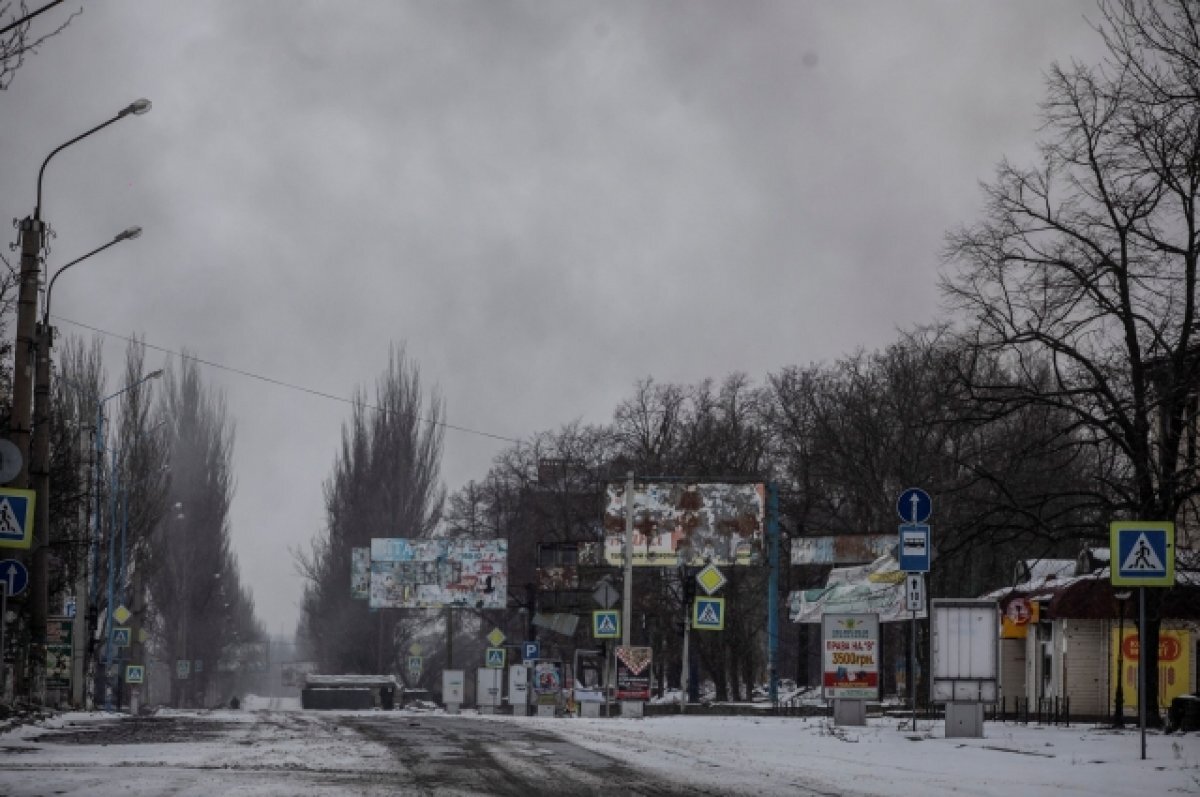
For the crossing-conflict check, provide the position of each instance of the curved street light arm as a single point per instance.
(127, 388)
(138, 108)
(132, 232)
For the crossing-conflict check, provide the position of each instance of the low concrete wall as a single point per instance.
(349, 699)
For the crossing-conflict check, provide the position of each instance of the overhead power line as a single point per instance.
(278, 382)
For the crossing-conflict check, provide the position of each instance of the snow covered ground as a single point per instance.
(778, 755)
(241, 753)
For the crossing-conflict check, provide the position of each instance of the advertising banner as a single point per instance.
(716, 523)
(422, 574)
(841, 549)
(547, 681)
(360, 573)
(633, 673)
(877, 588)
(1174, 671)
(850, 656)
(58, 652)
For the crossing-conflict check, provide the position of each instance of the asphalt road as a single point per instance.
(315, 753)
(461, 755)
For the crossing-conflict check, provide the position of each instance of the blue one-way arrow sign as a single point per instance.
(914, 505)
(14, 576)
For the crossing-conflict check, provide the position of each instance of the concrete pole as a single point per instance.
(79, 629)
(39, 470)
(31, 231)
(687, 635)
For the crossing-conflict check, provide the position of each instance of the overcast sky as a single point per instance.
(543, 201)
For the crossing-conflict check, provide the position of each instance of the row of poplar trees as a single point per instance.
(140, 518)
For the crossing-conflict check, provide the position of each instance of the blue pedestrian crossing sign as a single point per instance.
(1142, 553)
(606, 624)
(120, 637)
(495, 658)
(14, 576)
(135, 673)
(16, 517)
(708, 614)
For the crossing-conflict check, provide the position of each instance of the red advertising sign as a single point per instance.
(633, 673)
(850, 651)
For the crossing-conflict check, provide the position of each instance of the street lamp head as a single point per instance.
(128, 235)
(137, 108)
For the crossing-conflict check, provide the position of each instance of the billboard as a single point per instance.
(842, 549)
(424, 574)
(850, 654)
(633, 673)
(360, 573)
(719, 523)
(965, 651)
(877, 588)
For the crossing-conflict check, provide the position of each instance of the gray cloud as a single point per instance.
(547, 201)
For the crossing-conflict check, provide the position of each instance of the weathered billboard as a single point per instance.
(424, 574)
(360, 573)
(842, 549)
(711, 522)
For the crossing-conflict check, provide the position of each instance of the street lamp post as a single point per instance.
(1119, 698)
(40, 575)
(32, 237)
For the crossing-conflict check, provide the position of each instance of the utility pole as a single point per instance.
(32, 231)
(627, 585)
(81, 630)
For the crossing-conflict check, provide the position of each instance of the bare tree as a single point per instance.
(1084, 266)
(19, 38)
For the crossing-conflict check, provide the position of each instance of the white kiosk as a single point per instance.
(518, 689)
(452, 690)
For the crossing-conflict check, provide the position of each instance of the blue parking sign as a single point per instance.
(530, 651)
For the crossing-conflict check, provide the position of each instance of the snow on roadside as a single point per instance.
(783, 755)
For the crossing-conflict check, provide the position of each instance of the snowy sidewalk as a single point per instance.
(775, 754)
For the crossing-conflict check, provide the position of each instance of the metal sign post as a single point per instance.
(1143, 555)
(1142, 666)
(914, 506)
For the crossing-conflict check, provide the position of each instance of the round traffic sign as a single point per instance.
(14, 576)
(10, 461)
(914, 505)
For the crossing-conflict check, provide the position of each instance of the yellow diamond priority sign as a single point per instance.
(122, 615)
(496, 637)
(710, 579)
